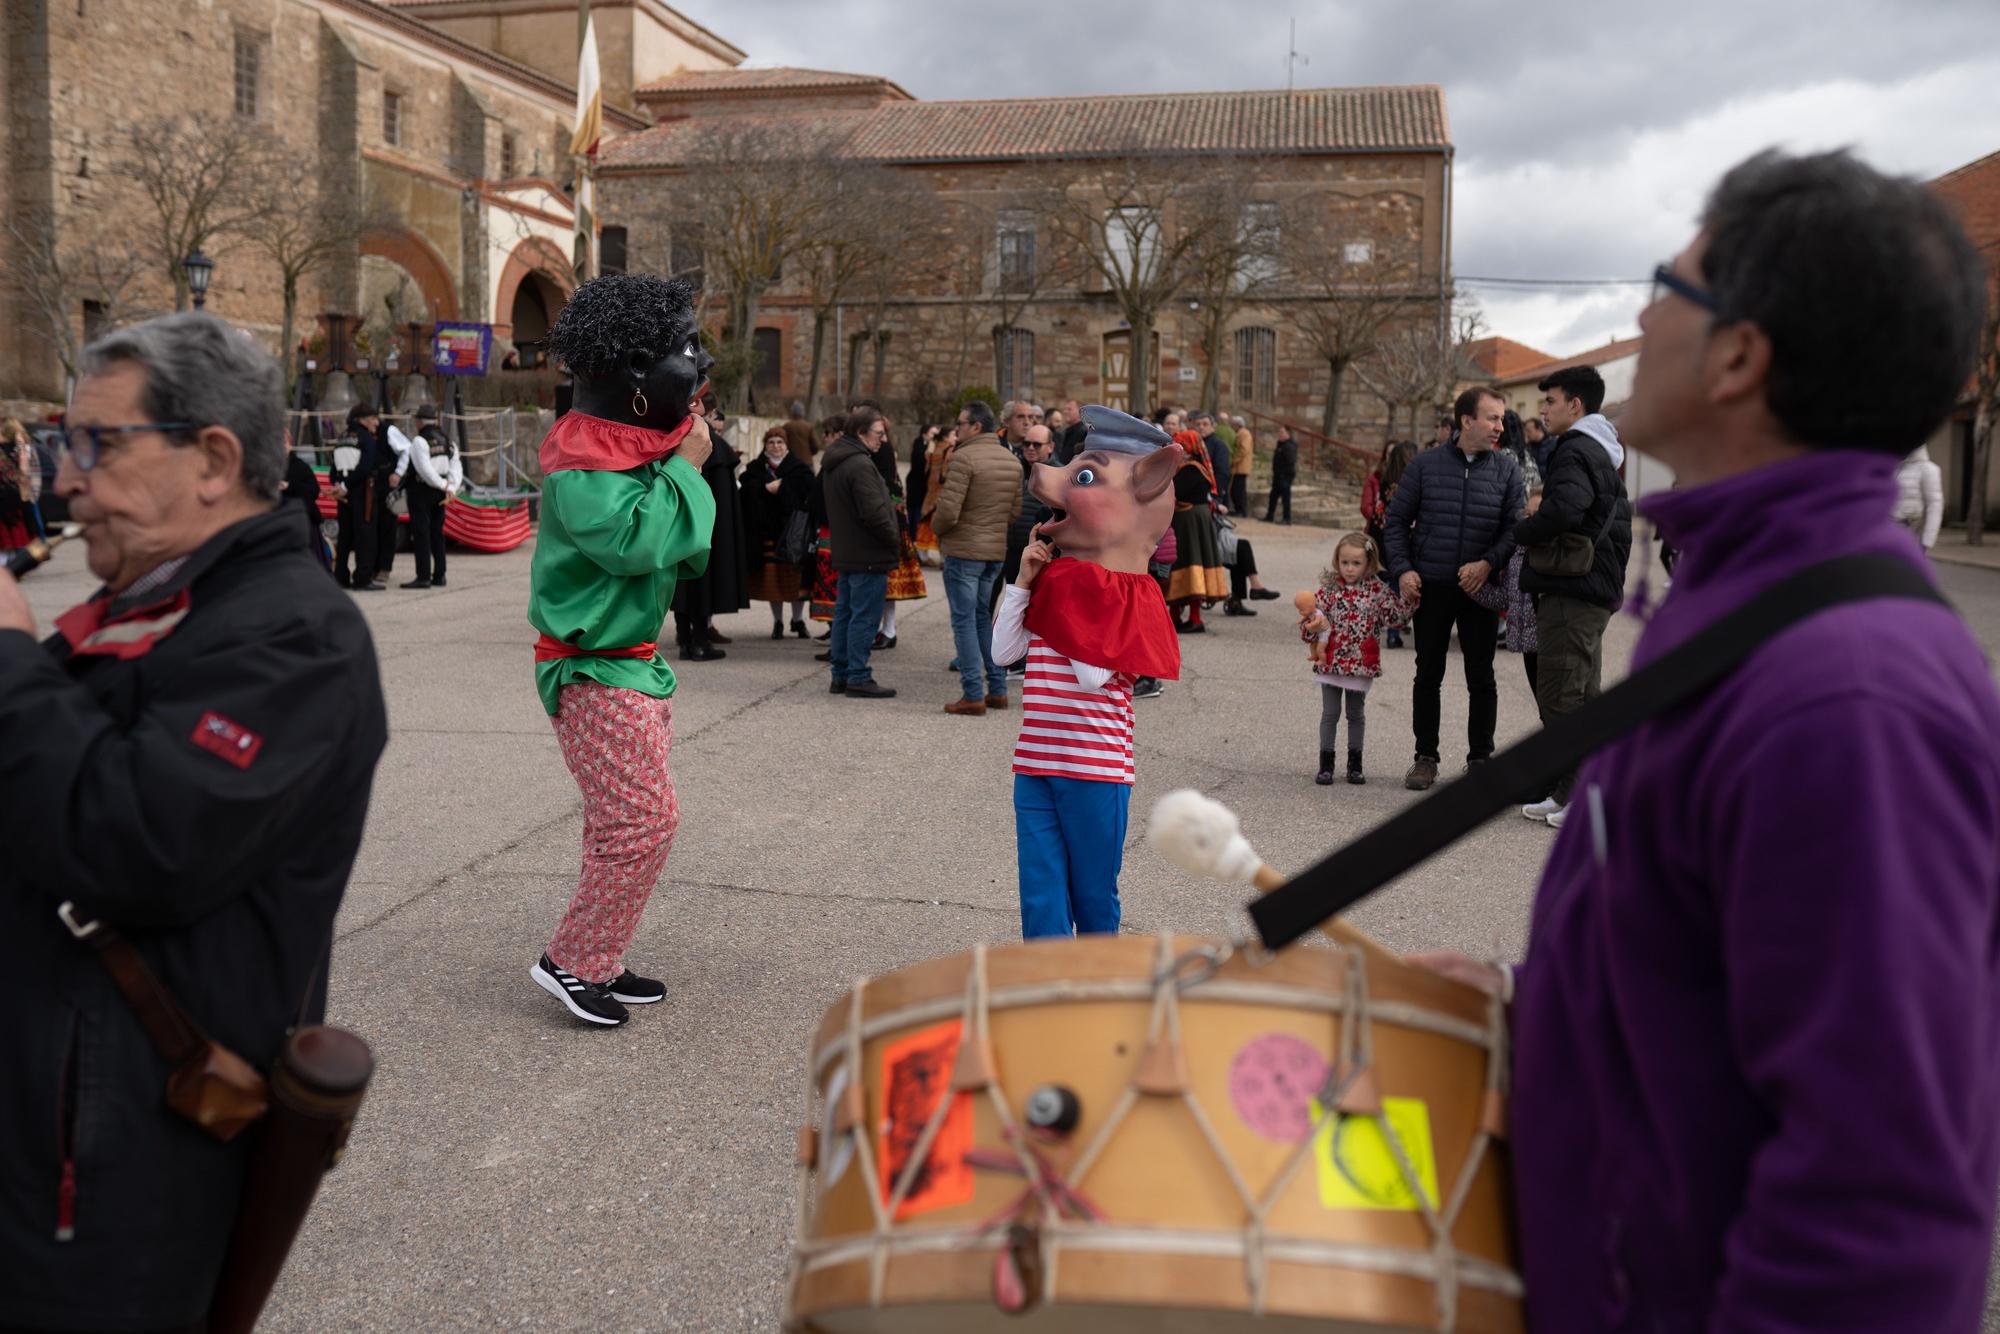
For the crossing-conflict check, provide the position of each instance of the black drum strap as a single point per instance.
(1348, 875)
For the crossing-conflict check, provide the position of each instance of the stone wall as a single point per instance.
(75, 84)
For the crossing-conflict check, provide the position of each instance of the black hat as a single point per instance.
(1117, 432)
(360, 412)
(427, 412)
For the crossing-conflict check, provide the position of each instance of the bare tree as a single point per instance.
(757, 199)
(305, 228)
(1986, 417)
(1340, 258)
(914, 253)
(863, 240)
(54, 271)
(1136, 225)
(203, 175)
(1415, 362)
(1234, 260)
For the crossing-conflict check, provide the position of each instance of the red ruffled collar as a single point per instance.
(1105, 618)
(585, 443)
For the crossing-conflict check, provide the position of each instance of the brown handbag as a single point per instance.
(210, 1085)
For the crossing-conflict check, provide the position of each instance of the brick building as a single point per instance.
(1381, 155)
(456, 117)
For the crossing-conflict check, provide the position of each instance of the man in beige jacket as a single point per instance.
(980, 496)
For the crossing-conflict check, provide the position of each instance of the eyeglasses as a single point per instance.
(1666, 280)
(85, 444)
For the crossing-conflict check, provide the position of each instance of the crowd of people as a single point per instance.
(1762, 955)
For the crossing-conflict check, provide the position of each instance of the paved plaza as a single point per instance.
(513, 1169)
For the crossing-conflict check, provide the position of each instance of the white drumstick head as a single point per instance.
(1201, 835)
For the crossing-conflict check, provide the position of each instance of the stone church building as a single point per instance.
(455, 116)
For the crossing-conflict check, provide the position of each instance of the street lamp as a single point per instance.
(198, 268)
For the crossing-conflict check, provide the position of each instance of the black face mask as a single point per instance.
(676, 377)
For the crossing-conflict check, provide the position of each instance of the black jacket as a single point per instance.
(202, 788)
(765, 512)
(866, 537)
(1452, 509)
(302, 490)
(1581, 493)
(1284, 460)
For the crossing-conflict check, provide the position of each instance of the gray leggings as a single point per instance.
(1329, 716)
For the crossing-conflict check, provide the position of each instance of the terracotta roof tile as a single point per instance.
(707, 82)
(1974, 191)
(1597, 356)
(1503, 356)
(1310, 120)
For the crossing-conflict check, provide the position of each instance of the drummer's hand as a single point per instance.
(1482, 977)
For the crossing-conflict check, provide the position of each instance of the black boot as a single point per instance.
(1325, 775)
(1354, 768)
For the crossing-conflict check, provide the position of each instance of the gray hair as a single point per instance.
(203, 370)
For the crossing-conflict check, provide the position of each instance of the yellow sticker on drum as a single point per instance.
(1358, 1169)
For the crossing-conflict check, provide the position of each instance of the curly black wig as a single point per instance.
(610, 316)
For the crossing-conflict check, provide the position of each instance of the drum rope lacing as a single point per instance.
(1350, 1079)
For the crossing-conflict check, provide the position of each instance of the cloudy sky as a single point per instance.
(1587, 133)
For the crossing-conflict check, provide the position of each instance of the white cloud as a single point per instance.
(1618, 217)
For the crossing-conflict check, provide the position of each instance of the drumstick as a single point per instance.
(1202, 835)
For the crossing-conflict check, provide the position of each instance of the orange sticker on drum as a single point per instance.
(1358, 1168)
(916, 1078)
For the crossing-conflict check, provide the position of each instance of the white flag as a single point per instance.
(589, 97)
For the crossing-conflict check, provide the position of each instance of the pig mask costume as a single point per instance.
(1089, 622)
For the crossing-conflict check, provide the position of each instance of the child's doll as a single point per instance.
(1350, 611)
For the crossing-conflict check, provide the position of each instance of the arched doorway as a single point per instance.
(534, 286)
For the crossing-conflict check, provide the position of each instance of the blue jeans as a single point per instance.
(968, 590)
(1069, 840)
(857, 614)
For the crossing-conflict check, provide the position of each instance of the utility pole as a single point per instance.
(1292, 57)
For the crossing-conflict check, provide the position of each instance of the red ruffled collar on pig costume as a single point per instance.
(1105, 619)
(592, 444)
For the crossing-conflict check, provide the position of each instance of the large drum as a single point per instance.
(1114, 1133)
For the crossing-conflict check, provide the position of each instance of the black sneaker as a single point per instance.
(869, 690)
(588, 1001)
(1146, 687)
(633, 989)
(438, 582)
(418, 583)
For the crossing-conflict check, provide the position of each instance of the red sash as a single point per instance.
(548, 648)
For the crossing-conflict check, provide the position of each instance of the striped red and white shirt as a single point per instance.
(1069, 730)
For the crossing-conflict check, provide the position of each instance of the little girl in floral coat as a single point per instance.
(1350, 610)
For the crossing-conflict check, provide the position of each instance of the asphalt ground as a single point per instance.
(513, 1169)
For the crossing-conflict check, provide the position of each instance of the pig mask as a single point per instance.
(1115, 499)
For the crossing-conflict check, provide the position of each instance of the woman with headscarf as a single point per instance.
(1198, 576)
(776, 485)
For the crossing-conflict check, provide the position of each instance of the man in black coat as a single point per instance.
(1203, 425)
(866, 546)
(189, 762)
(1284, 471)
(1449, 529)
(367, 526)
(1582, 498)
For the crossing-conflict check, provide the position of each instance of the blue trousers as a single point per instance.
(1069, 838)
(968, 589)
(857, 614)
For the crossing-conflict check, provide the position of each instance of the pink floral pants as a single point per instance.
(615, 743)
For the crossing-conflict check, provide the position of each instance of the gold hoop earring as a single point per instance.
(639, 404)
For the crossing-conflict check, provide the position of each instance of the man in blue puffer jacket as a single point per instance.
(1450, 527)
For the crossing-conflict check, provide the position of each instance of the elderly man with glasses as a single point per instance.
(191, 755)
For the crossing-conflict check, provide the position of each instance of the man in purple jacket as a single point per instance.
(1757, 1033)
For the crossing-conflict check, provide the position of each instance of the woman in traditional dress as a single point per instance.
(906, 581)
(17, 489)
(1198, 576)
(775, 486)
(936, 459)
